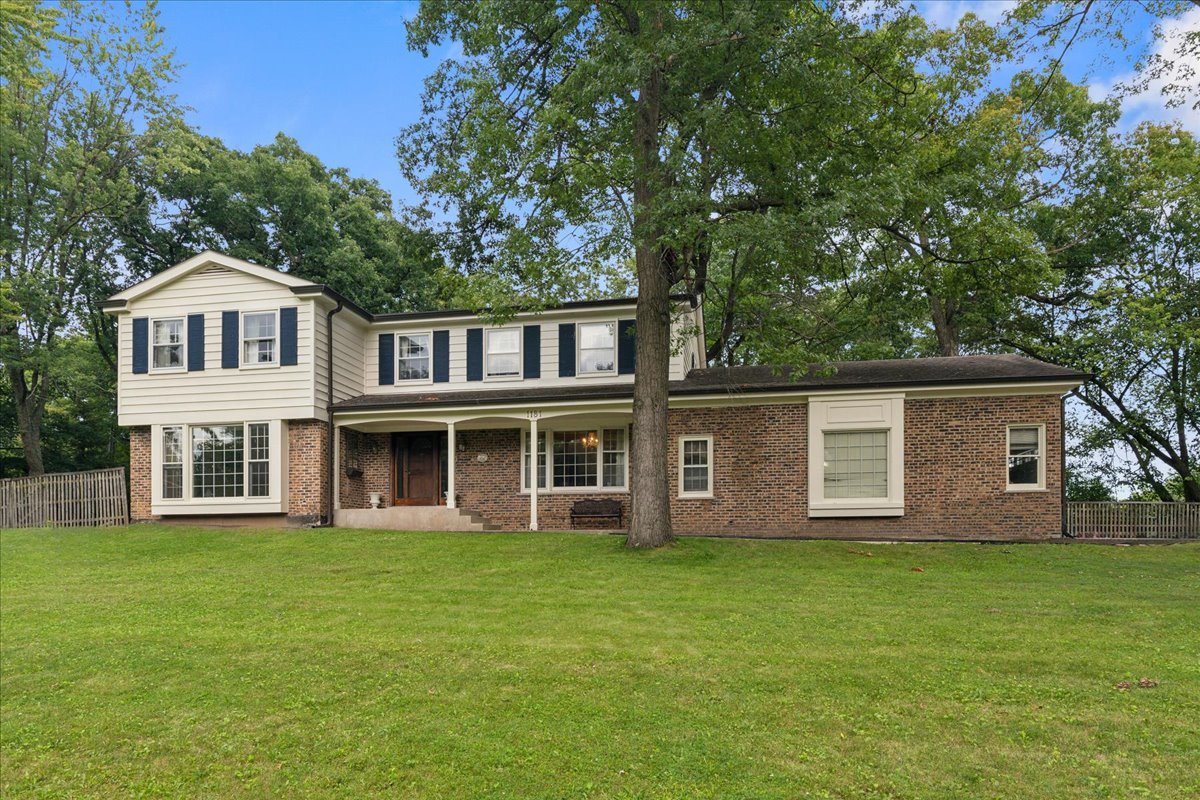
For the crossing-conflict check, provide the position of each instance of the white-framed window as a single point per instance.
(579, 459)
(696, 466)
(1026, 458)
(258, 460)
(413, 356)
(856, 456)
(597, 343)
(172, 463)
(218, 461)
(168, 344)
(502, 348)
(260, 338)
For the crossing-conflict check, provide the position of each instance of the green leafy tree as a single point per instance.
(574, 134)
(79, 79)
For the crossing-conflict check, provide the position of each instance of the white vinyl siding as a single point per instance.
(215, 394)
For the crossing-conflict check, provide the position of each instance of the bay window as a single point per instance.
(578, 459)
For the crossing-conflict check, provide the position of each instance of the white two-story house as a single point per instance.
(253, 395)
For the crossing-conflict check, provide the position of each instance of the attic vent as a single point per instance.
(215, 270)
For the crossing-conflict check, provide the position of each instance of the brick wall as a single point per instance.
(372, 453)
(307, 488)
(140, 491)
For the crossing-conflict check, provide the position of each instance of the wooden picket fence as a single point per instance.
(1128, 519)
(65, 500)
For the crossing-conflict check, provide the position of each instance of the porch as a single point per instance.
(471, 469)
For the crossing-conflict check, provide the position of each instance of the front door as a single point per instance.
(418, 469)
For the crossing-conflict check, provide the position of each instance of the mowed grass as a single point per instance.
(168, 662)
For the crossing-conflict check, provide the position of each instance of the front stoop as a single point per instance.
(412, 518)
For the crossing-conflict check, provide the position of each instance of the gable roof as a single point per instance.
(849, 375)
(208, 258)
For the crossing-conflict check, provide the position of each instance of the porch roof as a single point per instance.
(847, 375)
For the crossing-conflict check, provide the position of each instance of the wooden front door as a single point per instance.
(418, 469)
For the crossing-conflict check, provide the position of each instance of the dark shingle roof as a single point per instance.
(889, 374)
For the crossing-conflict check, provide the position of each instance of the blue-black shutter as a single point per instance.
(626, 346)
(532, 351)
(195, 342)
(474, 354)
(441, 356)
(387, 359)
(229, 339)
(288, 357)
(566, 350)
(141, 345)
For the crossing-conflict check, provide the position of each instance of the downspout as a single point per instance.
(329, 448)
(1062, 465)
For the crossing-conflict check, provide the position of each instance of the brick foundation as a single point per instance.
(308, 485)
(140, 490)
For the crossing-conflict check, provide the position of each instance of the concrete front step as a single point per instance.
(412, 518)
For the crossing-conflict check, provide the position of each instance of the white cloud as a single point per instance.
(1150, 105)
(947, 13)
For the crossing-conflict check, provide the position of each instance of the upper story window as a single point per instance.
(503, 353)
(168, 344)
(1026, 467)
(260, 338)
(597, 348)
(412, 357)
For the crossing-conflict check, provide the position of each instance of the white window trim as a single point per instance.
(579, 348)
(183, 359)
(397, 380)
(848, 414)
(708, 440)
(273, 502)
(550, 488)
(487, 337)
(242, 339)
(1040, 486)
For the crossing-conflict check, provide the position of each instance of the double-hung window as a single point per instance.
(168, 344)
(597, 348)
(1026, 465)
(258, 460)
(172, 463)
(695, 466)
(584, 459)
(412, 357)
(504, 353)
(260, 345)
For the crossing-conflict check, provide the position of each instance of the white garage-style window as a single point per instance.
(503, 353)
(168, 344)
(211, 467)
(412, 357)
(260, 334)
(597, 348)
(1026, 458)
(856, 457)
(695, 466)
(587, 459)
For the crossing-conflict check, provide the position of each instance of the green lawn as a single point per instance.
(167, 662)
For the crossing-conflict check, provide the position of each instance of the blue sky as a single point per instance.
(339, 78)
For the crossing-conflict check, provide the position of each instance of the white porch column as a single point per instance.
(450, 450)
(533, 470)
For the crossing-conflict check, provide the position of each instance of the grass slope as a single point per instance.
(166, 662)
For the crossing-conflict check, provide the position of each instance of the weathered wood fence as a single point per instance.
(1128, 519)
(65, 499)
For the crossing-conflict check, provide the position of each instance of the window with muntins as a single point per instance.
(1025, 457)
(597, 347)
(541, 460)
(578, 459)
(856, 464)
(260, 338)
(218, 465)
(168, 344)
(258, 460)
(412, 357)
(172, 463)
(503, 353)
(695, 466)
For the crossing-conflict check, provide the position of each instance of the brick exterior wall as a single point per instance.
(307, 481)
(371, 453)
(139, 474)
(955, 473)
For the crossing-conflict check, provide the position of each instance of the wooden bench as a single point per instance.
(597, 509)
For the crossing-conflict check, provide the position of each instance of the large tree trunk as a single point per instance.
(30, 408)
(945, 326)
(650, 517)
